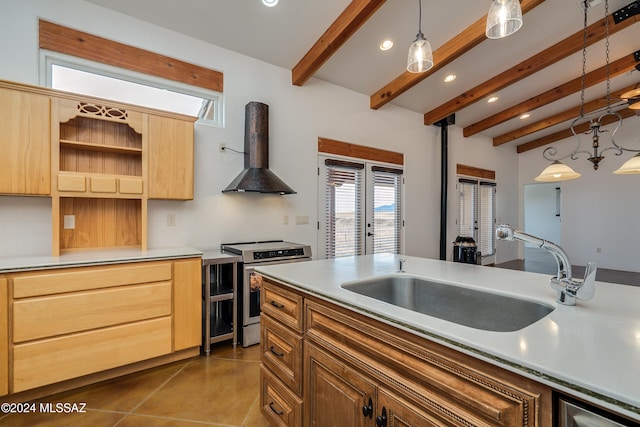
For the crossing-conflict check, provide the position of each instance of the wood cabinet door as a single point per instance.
(4, 338)
(397, 412)
(170, 170)
(187, 303)
(335, 395)
(25, 143)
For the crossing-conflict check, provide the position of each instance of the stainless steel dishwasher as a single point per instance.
(574, 415)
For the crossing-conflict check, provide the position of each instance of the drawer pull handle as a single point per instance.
(277, 304)
(275, 411)
(273, 350)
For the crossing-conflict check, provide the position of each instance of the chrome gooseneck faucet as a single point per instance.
(569, 289)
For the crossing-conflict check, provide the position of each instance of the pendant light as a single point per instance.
(504, 18)
(420, 57)
(558, 171)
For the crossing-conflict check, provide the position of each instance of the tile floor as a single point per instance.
(220, 390)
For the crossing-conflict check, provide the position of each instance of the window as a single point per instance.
(477, 213)
(362, 208)
(94, 79)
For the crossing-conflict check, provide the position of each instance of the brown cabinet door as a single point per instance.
(25, 143)
(170, 174)
(336, 395)
(400, 413)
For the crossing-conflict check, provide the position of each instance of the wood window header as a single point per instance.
(474, 171)
(72, 42)
(359, 151)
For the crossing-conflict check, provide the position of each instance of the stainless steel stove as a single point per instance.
(259, 253)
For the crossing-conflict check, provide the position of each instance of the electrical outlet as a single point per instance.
(598, 250)
(301, 220)
(171, 220)
(285, 220)
(69, 222)
(222, 146)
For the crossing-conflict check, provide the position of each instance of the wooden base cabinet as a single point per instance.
(361, 372)
(72, 322)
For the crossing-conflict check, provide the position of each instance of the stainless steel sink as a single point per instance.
(464, 306)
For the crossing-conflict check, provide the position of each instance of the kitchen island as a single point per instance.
(590, 351)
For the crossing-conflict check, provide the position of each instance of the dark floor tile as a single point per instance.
(208, 389)
(123, 393)
(226, 351)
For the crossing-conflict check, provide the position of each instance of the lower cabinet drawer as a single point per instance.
(48, 316)
(44, 362)
(84, 278)
(279, 405)
(282, 353)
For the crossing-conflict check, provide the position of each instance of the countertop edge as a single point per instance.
(90, 258)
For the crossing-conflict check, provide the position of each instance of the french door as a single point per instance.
(360, 207)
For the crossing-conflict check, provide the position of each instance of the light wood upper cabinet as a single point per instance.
(4, 339)
(25, 143)
(170, 158)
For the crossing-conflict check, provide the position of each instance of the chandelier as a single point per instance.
(559, 171)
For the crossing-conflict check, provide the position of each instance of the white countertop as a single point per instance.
(93, 257)
(591, 350)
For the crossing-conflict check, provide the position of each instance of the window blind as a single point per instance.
(387, 213)
(487, 214)
(467, 216)
(344, 208)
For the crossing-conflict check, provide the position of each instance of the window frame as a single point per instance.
(478, 220)
(364, 244)
(47, 59)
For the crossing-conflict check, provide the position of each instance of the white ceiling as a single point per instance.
(283, 34)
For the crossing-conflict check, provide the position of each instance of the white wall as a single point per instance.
(540, 209)
(298, 116)
(599, 209)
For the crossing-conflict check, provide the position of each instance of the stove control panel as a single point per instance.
(280, 253)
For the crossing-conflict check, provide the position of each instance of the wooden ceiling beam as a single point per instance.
(352, 18)
(566, 133)
(621, 66)
(564, 116)
(549, 56)
(445, 54)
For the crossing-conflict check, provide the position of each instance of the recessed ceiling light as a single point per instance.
(269, 3)
(450, 78)
(525, 116)
(386, 45)
(492, 99)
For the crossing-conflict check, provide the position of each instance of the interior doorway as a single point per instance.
(542, 218)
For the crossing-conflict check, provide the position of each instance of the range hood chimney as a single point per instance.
(256, 176)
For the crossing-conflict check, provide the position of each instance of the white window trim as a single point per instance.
(49, 58)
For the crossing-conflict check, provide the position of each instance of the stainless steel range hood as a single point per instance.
(256, 176)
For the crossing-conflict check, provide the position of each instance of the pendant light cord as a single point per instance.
(420, 17)
(585, 5)
(606, 18)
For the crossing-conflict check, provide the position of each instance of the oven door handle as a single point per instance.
(276, 304)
